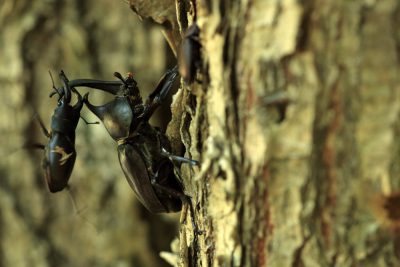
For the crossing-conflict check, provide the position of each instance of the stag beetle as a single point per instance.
(60, 152)
(142, 149)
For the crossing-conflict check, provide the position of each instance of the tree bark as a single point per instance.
(311, 183)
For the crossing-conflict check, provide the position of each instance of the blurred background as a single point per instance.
(106, 226)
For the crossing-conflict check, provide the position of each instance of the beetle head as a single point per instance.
(130, 88)
(66, 117)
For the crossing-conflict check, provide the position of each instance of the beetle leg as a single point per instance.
(88, 122)
(163, 86)
(35, 146)
(44, 130)
(179, 159)
(158, 95)
(185, 201)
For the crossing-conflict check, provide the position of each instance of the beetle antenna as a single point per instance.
(52, 80)
(42, 126)
(56, 91)
(78, 210)
(27, 145)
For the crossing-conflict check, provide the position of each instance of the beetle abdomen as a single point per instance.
(139, 175)
(59, 161)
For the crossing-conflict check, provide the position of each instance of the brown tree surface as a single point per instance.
(294, 117)
(319, 186)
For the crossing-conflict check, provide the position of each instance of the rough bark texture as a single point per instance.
(318, 186)
(321, 187)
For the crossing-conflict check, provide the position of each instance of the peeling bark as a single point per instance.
(318, 188)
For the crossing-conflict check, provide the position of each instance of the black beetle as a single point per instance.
(60, 151)
(142, 148)
(189, 57)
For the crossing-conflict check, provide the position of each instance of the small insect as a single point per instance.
(189, 57)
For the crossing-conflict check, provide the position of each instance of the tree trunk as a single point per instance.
(294, 121)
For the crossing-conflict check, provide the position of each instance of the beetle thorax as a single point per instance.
(64, 119)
